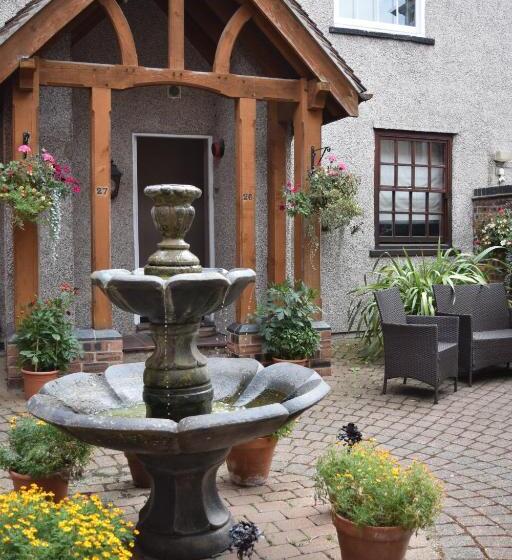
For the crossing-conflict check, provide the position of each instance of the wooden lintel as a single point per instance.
(317, 94)
(245, 143)
(277, 138)
(122, 30)
(176, 26)
(228, 38)
(78, 74)
(307, 126)
(25, 118)
(100, 200)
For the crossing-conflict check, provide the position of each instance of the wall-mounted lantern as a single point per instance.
(115, 176)
(218, 149)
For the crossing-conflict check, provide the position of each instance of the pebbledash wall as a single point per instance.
(454, 86)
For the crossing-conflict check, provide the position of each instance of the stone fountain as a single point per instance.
(179, 412)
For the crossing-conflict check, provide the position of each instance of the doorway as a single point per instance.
(162, 159)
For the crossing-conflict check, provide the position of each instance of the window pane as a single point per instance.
(437, 177)
(437, 153)
(402, 225)
(386, 225)
(435, 203)
(421, 177)
(419, 202)
(419, 226)
(404, 152)
(387, 175)
(386, 201)
(387, 11)
(347, 8)
(405, 176)
(365, 10)
(406, 12)
(401, 201)
(387, 151)
(435, 226)
(421, 153)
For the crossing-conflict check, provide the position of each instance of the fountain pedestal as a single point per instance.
(184, 517)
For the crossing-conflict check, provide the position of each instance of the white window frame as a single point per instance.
(393, 28)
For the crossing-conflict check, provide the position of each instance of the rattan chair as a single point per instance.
(420, 347)
(485, 333)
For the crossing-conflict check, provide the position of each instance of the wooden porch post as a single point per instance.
(25, 118)
(276, 177)
(100, 200)
(245, 125)
(176, 39)
(307, 126)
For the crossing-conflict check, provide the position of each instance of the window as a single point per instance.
(412, 188)
(406, 17)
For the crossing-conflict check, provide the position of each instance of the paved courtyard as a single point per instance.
(466, 440)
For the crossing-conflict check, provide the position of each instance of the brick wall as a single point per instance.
(490, 200)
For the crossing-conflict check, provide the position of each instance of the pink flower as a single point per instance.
(342, 166)
(24, 149)
(76, 189)
(48, 158)
(332, 159)
(294, 189)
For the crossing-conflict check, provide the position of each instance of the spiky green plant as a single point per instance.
(415, 279)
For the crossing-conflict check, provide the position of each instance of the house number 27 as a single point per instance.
(101, 191)
(247, 196)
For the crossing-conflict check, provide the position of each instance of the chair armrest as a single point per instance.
(465, 340)
(448, 326)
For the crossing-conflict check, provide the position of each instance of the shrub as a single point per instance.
(79, 528)
(369, 487)
(415, 280)
(38, 449)
(286, 321)
(45, 336)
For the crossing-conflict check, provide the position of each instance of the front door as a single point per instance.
(164, 160)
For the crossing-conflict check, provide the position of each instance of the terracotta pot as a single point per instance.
(57, 483)
(371, 543)
(303, 362)
(140, 475)
(33, 381)
(249, 463)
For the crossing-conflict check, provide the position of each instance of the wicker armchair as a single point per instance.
(485, 331)
(420, 347)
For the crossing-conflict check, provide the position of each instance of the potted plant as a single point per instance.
(286, 322)
(331, 197)
(38, 453)
(36, 186)
(249, 463)
(81, 527)
(377, 504)
(46, 341)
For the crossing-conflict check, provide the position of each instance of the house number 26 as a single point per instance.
(101, 191)
(247, 196)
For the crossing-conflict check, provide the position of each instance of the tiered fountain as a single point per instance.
(179, 412)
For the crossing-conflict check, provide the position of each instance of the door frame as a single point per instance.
(209, 187)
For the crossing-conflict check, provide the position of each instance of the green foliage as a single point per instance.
(32, 527)
(285, 431)
(286, 321)
(415, 280)
(38, 449)
(331, 196)
(45, 336)
(369, 487)
(495, 230)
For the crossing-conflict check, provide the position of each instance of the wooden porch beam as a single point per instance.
(35, 33)
(100, 200)
(228, 39)
(245, 142)
(25, 118)
(277, 138)
(307, 127)
(78, 74)
(123, 32)
(176, 15)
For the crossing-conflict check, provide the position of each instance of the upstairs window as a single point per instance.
(412, 188)
(406, 17)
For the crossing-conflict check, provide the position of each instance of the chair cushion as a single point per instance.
(501, 334)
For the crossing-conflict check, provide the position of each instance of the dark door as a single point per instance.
(172, 160)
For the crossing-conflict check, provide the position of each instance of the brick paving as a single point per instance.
(466, 440)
